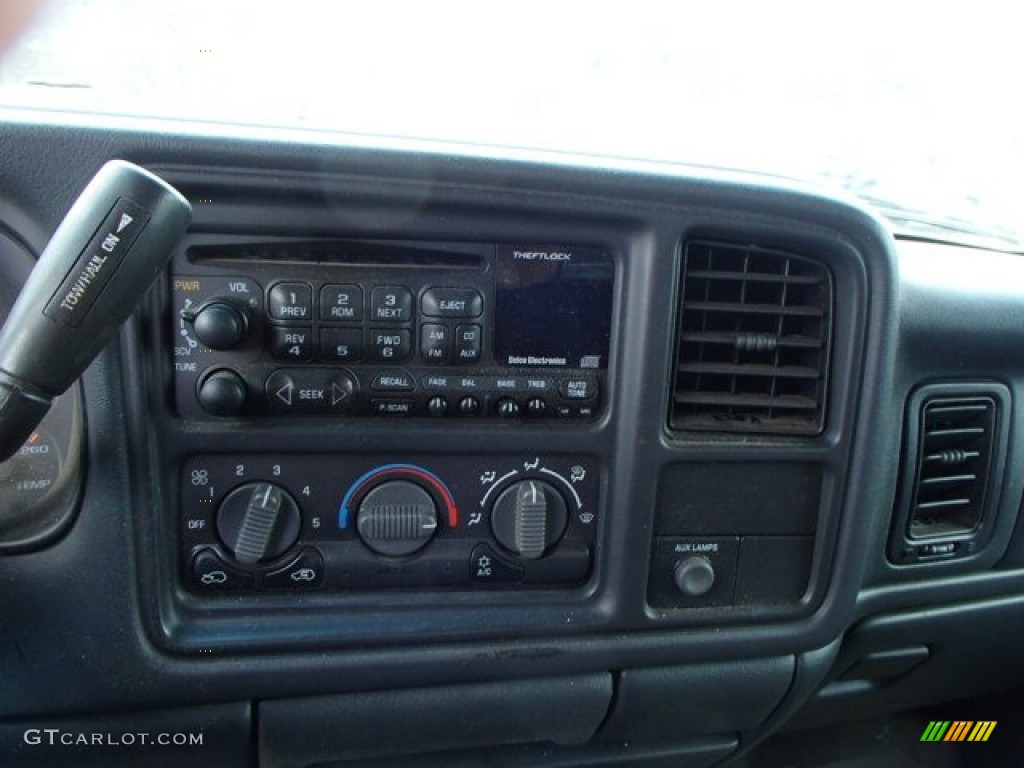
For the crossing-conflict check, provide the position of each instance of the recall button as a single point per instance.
(452, 302)
(393, 381)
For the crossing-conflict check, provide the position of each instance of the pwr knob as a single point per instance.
(528, 518)
(220, 324)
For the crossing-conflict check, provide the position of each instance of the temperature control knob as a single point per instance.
(528, 517)
(397, 518)
(258, 522)
(220, 324)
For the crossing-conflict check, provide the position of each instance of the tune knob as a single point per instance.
(222, 393)
(528, 517)
(258, 522)
(220, 324)
(397, 518)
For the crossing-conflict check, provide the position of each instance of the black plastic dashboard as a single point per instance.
(599, 462)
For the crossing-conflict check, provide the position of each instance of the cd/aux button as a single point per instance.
(468, 343)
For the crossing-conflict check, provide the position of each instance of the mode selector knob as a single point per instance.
(528, 517)
(397, 518)
(258, 522)
(220, 324)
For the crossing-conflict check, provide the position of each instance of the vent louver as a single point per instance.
(953, 459)
(754, 337)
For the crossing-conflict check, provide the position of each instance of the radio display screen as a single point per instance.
(553, 307)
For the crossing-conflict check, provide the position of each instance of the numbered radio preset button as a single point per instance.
(389, 346)
(291, 343)
(291, 301)
(341, 303)
(342, 345)
(390, 304)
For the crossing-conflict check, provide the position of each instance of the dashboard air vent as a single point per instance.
(952, 462)
(754, 334)
(955, 449)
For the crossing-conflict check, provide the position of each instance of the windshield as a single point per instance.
(915, 107)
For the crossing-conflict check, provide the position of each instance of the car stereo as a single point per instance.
(516, 332)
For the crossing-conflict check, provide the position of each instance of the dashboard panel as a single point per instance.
(630, 462)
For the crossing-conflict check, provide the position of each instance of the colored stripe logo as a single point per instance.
(958, 730)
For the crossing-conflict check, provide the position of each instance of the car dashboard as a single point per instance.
(421, 454)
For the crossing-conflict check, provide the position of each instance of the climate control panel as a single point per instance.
(348, 524)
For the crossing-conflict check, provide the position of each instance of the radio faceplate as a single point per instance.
(342, 328)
